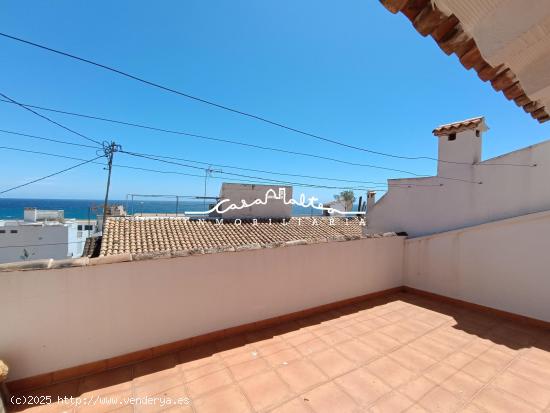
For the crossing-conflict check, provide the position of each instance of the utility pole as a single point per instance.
(109, 150)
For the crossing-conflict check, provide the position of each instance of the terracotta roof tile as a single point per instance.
(454, 127)
(137, 235)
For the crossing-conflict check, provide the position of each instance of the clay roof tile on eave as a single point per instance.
(450, 36)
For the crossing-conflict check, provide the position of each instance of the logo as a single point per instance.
(221, 206)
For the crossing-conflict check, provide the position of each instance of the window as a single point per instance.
(80, 227)
(13, 231)
(477, 133)
(88, 227)
(452, 137)
(2, 231)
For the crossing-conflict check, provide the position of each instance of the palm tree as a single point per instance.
(347, 197)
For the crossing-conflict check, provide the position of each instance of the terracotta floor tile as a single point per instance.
(497, 401)
(417, 388)
(335, 337)
(208, 383)
(297, 405)
(477, 347)
(462, 385)
(440, 372)
(432, 348)
(458, 359)
(273, 347)
(416, 408)
(312, 346)
(452, 337)
(283, 357)
(357, 351)
(154, 365)
(265, 390)
(399, 333)
(152, 387)
(301, 375)
(439, 400)
(481, 370)
(497, 358)
(329, 398)
(380, 341)
(412, 359)
(363, 386)
(332, 362)
(538, 356)
(390, 371)
(531, 371)
(356, 329)
(300, 338)
(524, 389)
(197, 373)
(385, 354)
(392, 403)
(248, 368)
(248, 354)
(227, 400)
(416, 326)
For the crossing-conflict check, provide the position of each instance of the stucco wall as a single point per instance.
(58, 318)
(507, 191)
(13, 245)
(503, 265)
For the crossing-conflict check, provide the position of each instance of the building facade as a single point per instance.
(466, 191)
(42, 234)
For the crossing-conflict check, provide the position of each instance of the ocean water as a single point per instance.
(12, 208)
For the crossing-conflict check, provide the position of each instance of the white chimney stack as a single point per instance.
(459, 142)
(371, 199)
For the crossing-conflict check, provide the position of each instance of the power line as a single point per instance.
(268, 148)
(49, 119)
(223, 140)
(49, 176)
(227, 108)
(258, 180)
(261, 178)
(241, 175)
(48, 139)
(200, 162)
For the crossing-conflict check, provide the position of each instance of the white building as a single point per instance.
(466, 190)
(42, 234)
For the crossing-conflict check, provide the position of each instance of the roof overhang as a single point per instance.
(506, 42)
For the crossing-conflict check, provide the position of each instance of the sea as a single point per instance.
(12, 208)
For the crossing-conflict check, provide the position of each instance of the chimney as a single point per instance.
(459, 142)
(371, 199)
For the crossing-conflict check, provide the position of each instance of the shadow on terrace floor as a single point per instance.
(389, 354)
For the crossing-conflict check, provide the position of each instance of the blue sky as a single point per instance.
(350, 71)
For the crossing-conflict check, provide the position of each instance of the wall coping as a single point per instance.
(47, 264)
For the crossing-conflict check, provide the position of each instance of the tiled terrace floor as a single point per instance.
(401, 353)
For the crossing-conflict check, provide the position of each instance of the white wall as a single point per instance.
(503, 265)
(60, 318)
(507, 191)
(33, 234)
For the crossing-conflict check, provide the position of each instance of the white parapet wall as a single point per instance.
(503, 265)
(58, 318)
